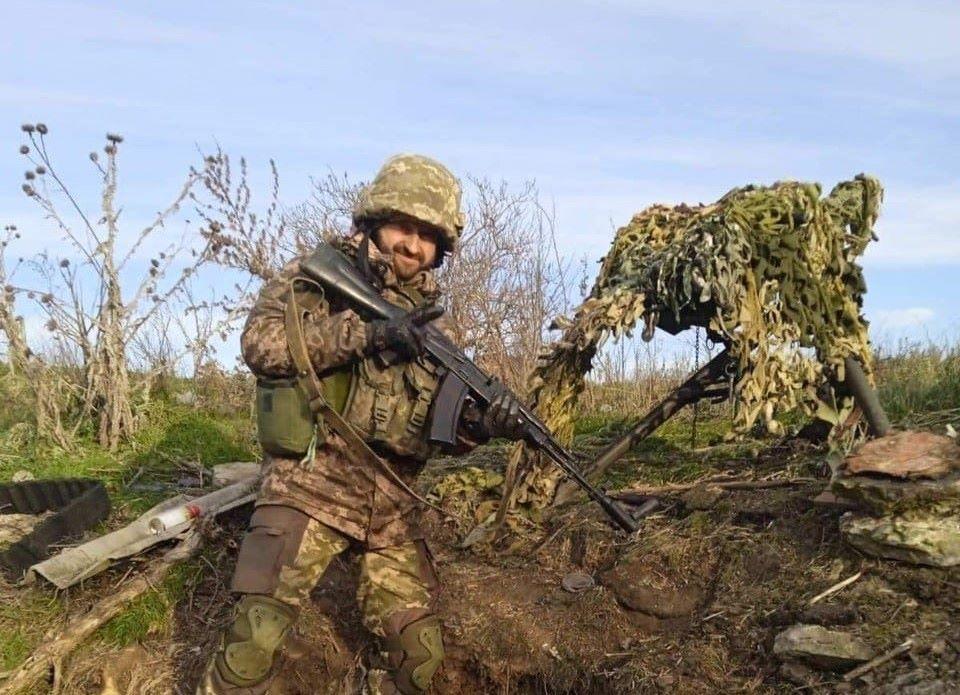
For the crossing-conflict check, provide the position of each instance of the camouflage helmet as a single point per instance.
(419, 187)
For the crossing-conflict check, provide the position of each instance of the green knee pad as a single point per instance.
(258, 629)
(420, 647)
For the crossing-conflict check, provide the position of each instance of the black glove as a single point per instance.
(403, 334)
(502, 417)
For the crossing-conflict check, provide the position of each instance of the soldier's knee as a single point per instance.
(250, 645)
(415, 649)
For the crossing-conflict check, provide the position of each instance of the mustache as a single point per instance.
(401, 249)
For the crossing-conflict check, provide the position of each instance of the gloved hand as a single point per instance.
(502, 417)
(403, 334)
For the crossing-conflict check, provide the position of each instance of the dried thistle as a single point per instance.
(24, 149)
(42, 128)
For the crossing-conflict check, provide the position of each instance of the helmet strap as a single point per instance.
(363, 253)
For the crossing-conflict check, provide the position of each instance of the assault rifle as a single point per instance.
(460, 378)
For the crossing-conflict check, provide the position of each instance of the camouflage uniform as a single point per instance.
(311, 508)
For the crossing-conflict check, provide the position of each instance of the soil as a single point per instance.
(692, 604)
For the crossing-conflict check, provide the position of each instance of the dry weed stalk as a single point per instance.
(92, 321)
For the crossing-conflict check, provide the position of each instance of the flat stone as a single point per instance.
(229, 473)
(822, 648)
(577, 581)
(932, 540)
(906, 455)
(702, 496)
(883, 495)
(22, 476)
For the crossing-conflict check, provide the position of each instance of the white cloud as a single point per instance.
(917, 225)
(893, 319)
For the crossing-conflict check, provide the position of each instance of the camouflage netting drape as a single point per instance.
(771, 271)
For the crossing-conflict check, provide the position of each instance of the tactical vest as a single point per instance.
(387, 404)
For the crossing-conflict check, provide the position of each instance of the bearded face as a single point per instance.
(412, 245)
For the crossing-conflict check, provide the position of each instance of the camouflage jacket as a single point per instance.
(358, 500)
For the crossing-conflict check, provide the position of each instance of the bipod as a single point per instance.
(698, 386)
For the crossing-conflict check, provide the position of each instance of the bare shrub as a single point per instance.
(502, 286)
(93, 322)
(506, 281)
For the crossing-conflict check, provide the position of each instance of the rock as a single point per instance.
(880, 495)
(900, 471)
(798, 674)
(906, 455)
(916, 682)
(22, 476)
(929, 539)
(821, 648)
(577, 581)
(829, 614)
(229, 473)
(829, 500)
(702, 496)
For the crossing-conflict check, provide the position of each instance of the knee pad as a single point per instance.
(259, 628)
(416, 653)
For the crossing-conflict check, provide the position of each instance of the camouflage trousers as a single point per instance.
(283, 555)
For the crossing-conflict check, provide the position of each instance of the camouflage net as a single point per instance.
(769, 271)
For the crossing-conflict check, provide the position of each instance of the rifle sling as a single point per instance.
(356, 449)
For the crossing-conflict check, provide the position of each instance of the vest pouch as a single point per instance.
(285, 425)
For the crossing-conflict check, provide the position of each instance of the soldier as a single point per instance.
(321, 494)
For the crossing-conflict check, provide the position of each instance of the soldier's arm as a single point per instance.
(332, 340)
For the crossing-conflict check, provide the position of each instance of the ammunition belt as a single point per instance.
(79, 503)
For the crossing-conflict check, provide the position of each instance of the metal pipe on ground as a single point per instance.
(690, 391)
(866, 397)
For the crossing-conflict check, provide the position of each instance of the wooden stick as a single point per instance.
(879, 661)
(723, 484)
(835, 588)
(70, 636)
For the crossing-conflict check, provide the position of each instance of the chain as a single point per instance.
(732, 398)
(696, 404)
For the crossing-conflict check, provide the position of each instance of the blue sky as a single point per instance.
(609, 106)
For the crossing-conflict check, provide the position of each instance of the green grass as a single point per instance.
(171, 439)
(918, 381)
(24, 618)
(151, 614)
(913, 384)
